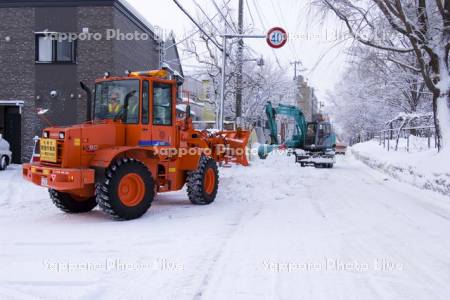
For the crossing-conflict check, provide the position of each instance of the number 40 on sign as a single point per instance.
(276, 37)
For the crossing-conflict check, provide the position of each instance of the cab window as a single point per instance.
(324, 130)
(311, 134)
(118, 100)
(162, 104)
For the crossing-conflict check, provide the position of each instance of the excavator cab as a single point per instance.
(319, 136)
(319, 148)
(311, 132)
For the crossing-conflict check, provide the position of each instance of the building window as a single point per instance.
(44, 49)
(51, 50)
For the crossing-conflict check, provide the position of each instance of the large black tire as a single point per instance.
(201, 190)
(109, 197)
(69, 204)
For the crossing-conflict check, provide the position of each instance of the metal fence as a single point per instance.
(391, 137)
(362, 137)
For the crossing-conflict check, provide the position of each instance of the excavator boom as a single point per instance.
(296, 141)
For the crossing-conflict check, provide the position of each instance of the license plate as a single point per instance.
(48, 150)
(44, 181)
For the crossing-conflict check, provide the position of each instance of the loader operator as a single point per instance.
(114, 105)
(130, 113)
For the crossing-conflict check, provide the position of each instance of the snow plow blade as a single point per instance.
(231, 146)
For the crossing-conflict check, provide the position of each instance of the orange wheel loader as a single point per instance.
(131, 148)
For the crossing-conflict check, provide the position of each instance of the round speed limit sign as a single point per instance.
(276, 37)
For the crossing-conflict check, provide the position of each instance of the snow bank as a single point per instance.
(421, 167)
(18, 195)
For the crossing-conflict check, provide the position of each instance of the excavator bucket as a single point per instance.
(232, 146)
(264, 150)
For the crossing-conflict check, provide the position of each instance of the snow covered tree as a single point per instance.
(359, 102)
(399, 87)
(375, 89)
(421, 27)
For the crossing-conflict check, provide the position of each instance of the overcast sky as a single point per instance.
(314, 41)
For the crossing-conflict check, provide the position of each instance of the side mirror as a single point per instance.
(88, 102)
(179, 79)
(188, 111)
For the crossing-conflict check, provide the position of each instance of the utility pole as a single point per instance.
(162, 52)
(224, 63)
(222, 84)
(240, 54)
(296, 63)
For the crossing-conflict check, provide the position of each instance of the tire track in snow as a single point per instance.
(239, 225)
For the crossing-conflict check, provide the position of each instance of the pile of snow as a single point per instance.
(421, 166)
(17, 194)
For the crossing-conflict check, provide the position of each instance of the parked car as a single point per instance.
(5, 154)
(341, 148)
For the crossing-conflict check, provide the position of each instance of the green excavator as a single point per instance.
(313, 143)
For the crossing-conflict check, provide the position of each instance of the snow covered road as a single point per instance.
(276, 231)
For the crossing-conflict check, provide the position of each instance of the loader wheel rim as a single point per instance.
(131, 189)
(210, 181)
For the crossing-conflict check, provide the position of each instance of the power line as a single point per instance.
(263, 25)
(197, 30)
(196, 24)
(206, 15)
(250, 12)
(259, 14)
(223, 16)
(282, 21)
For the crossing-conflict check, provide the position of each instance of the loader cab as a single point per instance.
(144, 102)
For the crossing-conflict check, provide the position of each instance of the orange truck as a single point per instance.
(132, 148)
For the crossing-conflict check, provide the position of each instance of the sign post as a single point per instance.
(275, 37)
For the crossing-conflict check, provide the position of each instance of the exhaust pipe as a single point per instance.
(88, 102)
